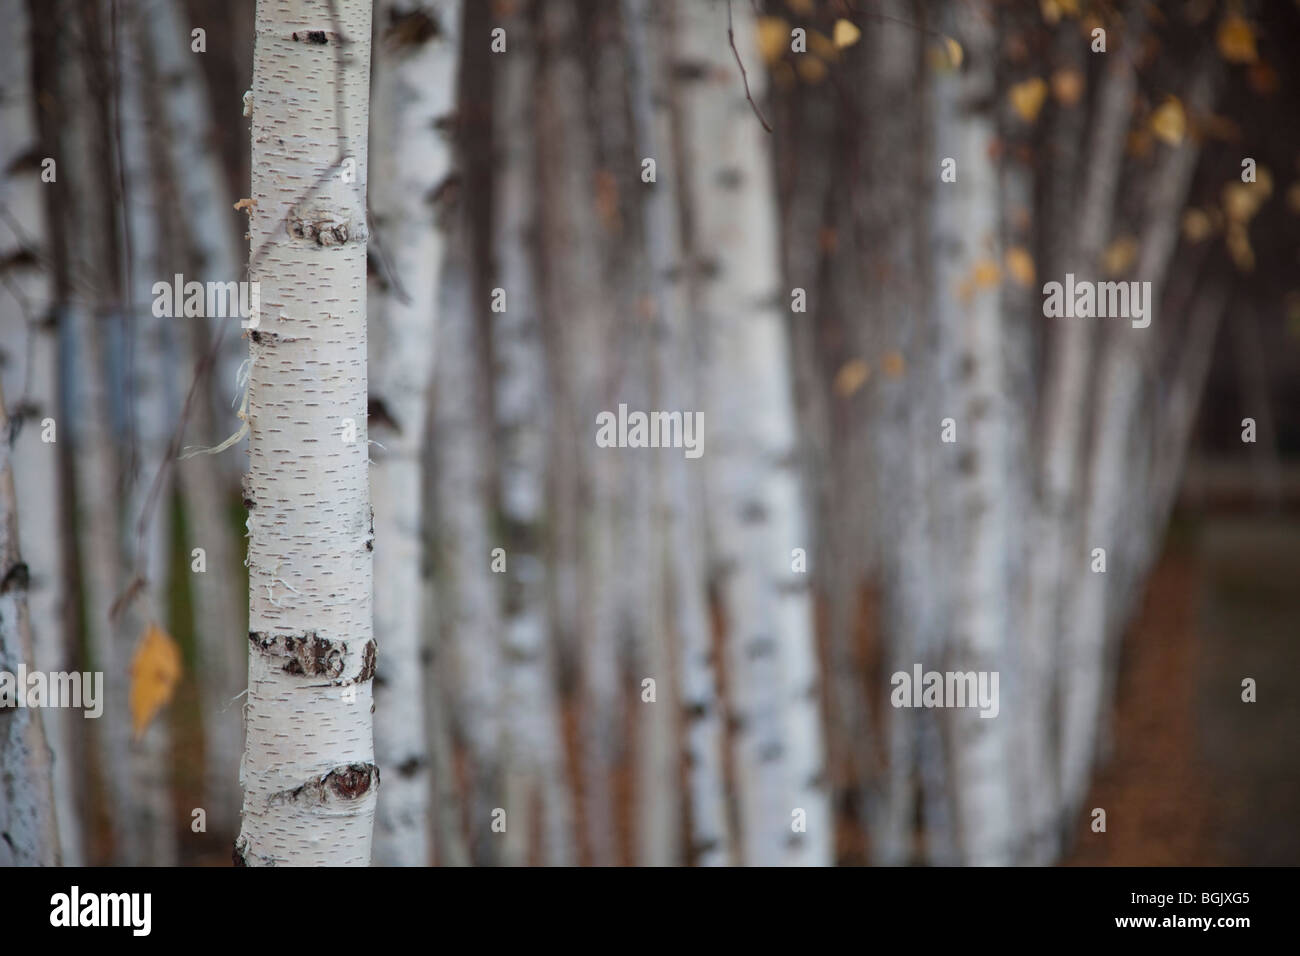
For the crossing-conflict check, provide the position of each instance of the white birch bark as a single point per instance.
(754, 500)
(29, 368)
(535, 764)
(890, 229)
(965, 229)
(469, 613)
(310, 782)
(1112, 516)
(26, 796)
(415, 86)
(1024, 686)
(1062, 432)
(651, 46)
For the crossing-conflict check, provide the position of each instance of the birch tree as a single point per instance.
(535, 764)
(650, 45)
(1096, 608)
(577, 301)
(89, 186)
(150, 388)
(966, 228)
(29, 320)
(754, 499)
(26, 797)
(1064, 415)
(310, 781)
(415, 85)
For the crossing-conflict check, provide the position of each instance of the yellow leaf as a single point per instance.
(773, 38)
(155, 669)
(802, 7)
(954, 51)
(810, 69)
(1067, 86)
(852, 375)
(986, 274)
(1020, 265)
(1027, 98)
(822, 45)
(1264, 181)
(1236, 39)
(846, 34)
(1239, 247)
(1169, 122)
(893, 364)
(1119, 256)
(1242, 200)
(1197, 225)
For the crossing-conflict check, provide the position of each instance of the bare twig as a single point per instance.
(731, 38)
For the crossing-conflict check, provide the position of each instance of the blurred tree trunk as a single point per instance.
(755, 506)
(965, 232)
(90, 177)
(469, 614)
(29, 353)
(201, 237)
(150, 387)
(1063, 421)
(537, 788)
(310, 782)
(1099, 604)
(414, 99)
(584, 481)
(27, 816)
(650, 43)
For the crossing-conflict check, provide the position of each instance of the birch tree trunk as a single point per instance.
(29, 324)
(415, 80)
(90, 189)
(965, 232)
(150, 389)
(577, 304)
(1112, 515)
(310, 782)
(650, 44)
(754, 499)
(1062, 429)
(26, 796)
(889, 227)
(535, 762)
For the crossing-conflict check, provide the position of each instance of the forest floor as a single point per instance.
(1196, 776)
